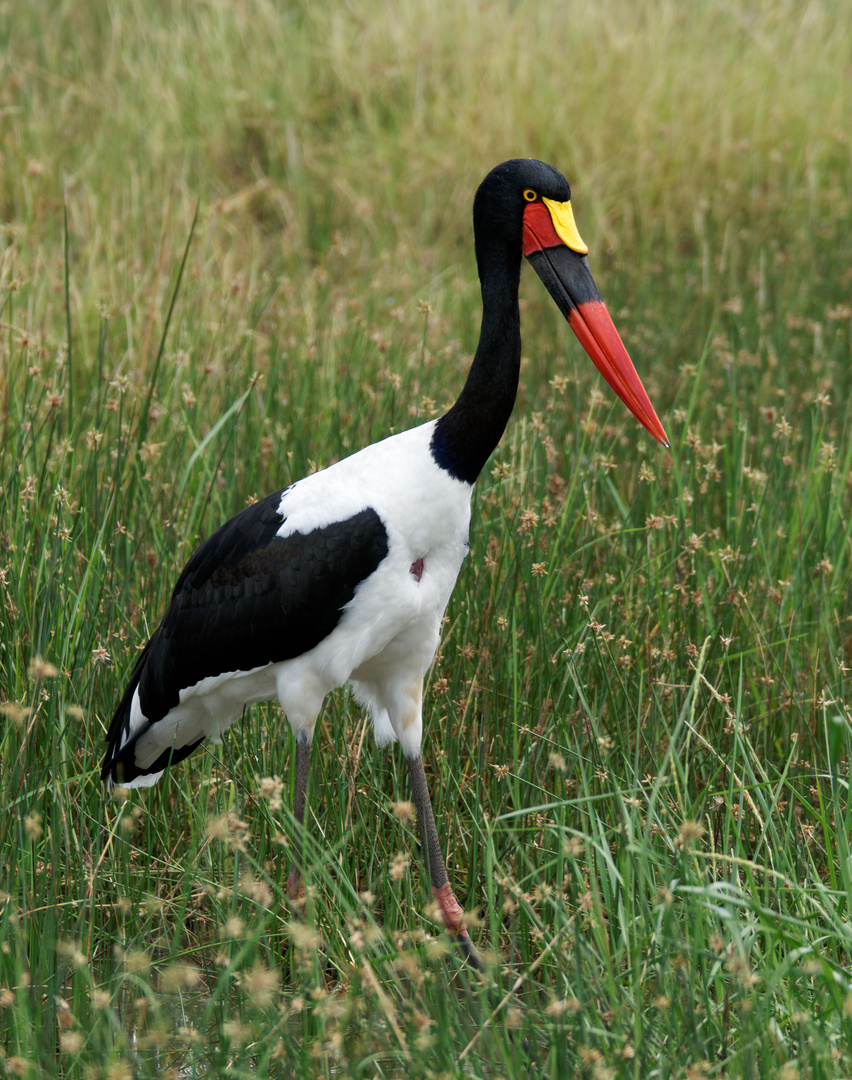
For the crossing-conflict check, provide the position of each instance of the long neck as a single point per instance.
(466, 435)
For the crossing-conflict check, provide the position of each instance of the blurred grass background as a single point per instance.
(235, 245)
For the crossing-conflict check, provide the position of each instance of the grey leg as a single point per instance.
(295, 888)
(451, 909)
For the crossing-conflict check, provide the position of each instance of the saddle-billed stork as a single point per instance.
(343, 577)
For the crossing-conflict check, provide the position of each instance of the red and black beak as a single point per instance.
(558, 255)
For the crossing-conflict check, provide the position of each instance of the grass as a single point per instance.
(220, 224)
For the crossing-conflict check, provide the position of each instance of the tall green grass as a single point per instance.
(220, 224)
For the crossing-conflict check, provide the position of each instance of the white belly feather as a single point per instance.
(389, 631)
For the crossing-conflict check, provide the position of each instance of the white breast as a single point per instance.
(388, 635)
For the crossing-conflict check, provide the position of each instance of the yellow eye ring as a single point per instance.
(530, 195)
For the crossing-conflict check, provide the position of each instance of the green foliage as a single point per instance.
(219, 223)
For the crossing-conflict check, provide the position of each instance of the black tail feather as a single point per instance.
(119, 728)
(119, 765)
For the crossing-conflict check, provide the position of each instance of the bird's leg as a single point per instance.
(295, 888)
(451, 910)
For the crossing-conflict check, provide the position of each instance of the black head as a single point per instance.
(523, 207)
(498, 208)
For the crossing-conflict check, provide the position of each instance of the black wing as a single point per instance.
(246, 598)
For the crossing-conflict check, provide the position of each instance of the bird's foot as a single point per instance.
(452, 916)
(452, 913)
(296, 890)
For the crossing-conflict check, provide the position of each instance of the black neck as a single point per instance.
(465, 436)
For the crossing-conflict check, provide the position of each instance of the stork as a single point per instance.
(344, 576)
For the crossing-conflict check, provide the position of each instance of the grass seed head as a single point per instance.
(399, 865)
(236, 1032)
(42, 669)
(261, 984)
(137, 962)
(234, 927)
(119, 1070)
(32, 826)
(404, 810)
(18, 714)
(177, 977)
(270, 788)
(258, 890)
(73, 953)
(690, 833)
(304, 937)
(71, 1042)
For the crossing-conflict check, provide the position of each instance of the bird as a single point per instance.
(343, 577)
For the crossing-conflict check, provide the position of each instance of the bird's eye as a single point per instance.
(530, 195)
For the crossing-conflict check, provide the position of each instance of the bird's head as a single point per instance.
(526, 205)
